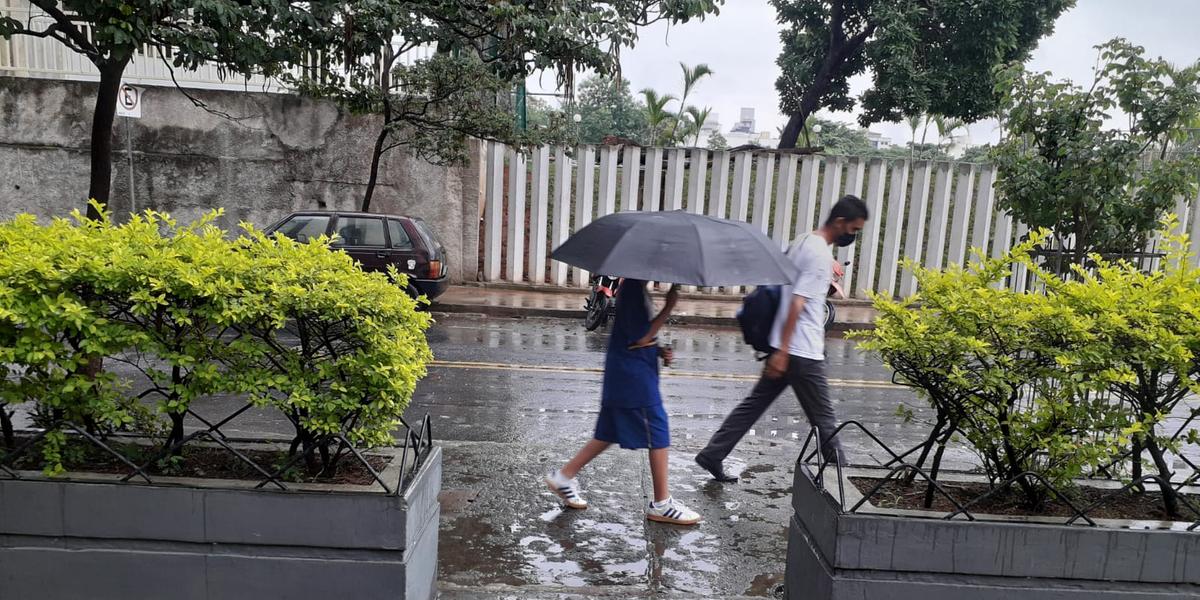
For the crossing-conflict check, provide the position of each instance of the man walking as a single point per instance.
(798, 337)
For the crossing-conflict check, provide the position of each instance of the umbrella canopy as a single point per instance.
(677, 247)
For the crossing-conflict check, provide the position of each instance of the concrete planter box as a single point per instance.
(900, 554)
(89, 536)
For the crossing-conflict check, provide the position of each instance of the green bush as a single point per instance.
(179, 289)
(1063, 166)
(57, 327)
(1062, 382)
(1146, 339)
(294, 326)
(993, 365)
(338, 349)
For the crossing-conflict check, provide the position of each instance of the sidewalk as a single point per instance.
(508, 300)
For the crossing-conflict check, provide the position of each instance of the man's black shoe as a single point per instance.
(715, 469)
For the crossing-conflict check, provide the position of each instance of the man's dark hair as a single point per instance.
(850, 208)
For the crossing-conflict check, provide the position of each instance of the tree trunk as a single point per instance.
(1170, 502)
(811, 100)
(930, 442)
(376, 156)
(933, 473)
(385, 87)
(176, 434)
(100, 185)
(310, 460)
(840, 49)
(326, 463)
(1136, 462)
(791, 131)
(10, 440)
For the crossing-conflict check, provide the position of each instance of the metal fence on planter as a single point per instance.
(133, 458)
(900, 464)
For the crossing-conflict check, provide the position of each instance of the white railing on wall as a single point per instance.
(932, 213)
(46, 58)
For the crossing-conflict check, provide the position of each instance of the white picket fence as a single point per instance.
(933, 213)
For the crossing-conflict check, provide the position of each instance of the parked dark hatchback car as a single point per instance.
(376, 241)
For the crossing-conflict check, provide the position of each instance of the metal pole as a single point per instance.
(522, 112)
(129, 153)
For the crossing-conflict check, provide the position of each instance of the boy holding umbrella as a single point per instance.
(631, 408)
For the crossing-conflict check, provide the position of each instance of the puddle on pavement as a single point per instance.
(466, 539)
(534, 541)
(766, 584)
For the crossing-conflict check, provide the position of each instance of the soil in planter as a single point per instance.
(1129, 505)
(203, 462)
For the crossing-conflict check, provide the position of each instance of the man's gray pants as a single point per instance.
(807, 379)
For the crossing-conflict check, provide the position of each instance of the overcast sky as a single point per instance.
(741, 45)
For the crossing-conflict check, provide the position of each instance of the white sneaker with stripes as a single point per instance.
(672, 511)
(567, 489)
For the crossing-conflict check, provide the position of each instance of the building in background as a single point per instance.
(746, 123)
(878, 141)
(745, 131)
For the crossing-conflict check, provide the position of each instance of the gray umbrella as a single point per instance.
(677, 247)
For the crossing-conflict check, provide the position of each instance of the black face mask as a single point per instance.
(845, 239)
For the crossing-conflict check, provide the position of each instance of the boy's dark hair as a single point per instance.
(850, 208)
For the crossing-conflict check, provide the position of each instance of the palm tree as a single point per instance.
(699, 118)
(656, 113)
(946, 127)
(914, 123)
(691, 77)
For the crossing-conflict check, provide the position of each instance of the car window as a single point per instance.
(303, 228)
(361, 231)
(427, 232)
(400, 239)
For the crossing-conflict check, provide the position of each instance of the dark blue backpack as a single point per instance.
(757, 315)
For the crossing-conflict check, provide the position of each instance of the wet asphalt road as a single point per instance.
(510, 381)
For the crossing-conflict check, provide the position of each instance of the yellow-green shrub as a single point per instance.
(200, 314)
(1145, 337)
(57, 326)
(340, 349)
(993, 365)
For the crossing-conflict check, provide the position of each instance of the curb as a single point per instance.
(554, 289)
(578, 314)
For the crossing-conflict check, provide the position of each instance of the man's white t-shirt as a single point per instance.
(814, 260)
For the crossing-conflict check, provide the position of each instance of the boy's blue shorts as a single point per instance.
(634, 428)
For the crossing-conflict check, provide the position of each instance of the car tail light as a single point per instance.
(435, 269)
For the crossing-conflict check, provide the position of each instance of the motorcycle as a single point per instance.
(600, 303)
(835, 291)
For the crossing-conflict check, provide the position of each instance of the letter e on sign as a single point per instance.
(129, 101)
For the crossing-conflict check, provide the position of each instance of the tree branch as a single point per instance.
(202, 105)
(67, 27)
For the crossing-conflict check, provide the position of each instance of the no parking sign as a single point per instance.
(129, 101)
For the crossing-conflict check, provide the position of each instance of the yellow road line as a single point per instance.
(488, 366)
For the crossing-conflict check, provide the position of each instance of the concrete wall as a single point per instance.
(283, 153)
